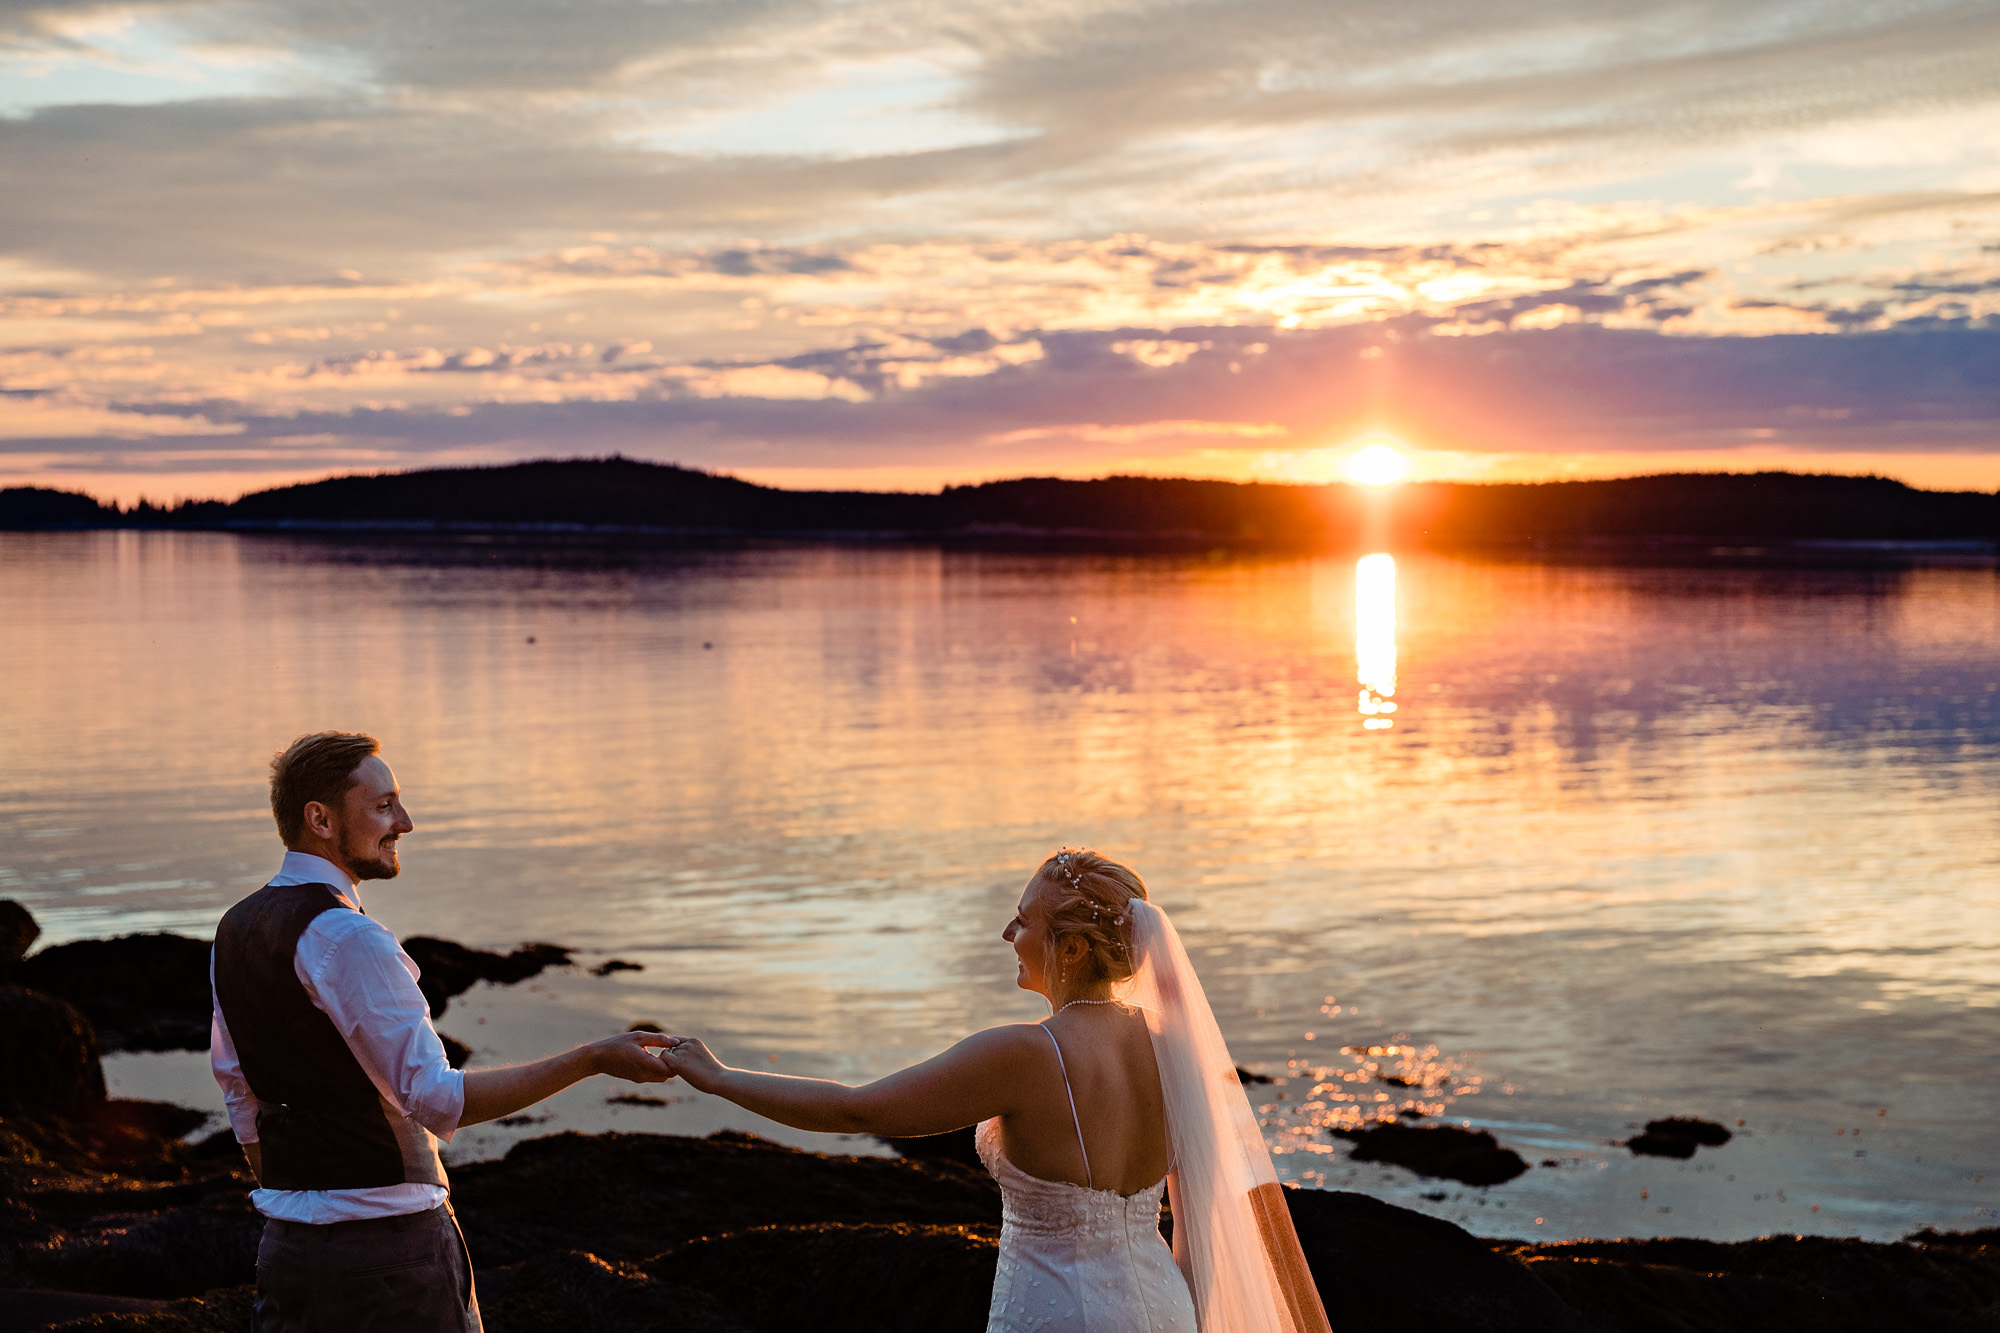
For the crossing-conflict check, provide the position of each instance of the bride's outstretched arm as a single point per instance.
(979, 1077)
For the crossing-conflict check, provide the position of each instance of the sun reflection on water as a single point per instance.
(1375, 639)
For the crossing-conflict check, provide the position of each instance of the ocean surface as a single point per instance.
(1558, 848)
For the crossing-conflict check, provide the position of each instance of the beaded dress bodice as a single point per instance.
(1079, 1260)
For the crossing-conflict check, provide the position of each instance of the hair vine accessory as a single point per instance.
(1097, 910)
(1069, 871)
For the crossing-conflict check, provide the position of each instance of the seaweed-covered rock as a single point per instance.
(226, 1310)
(873, 1278)
(568, 1291)
(956, 1146)
(175, 1251)
(1677, 1136)
(143, 992)
(1470, 1156)
(24, 1310)
(1777, 1284)
(48, 1056)
(150, 992)
(735, 1235)
(627, 1197)
(452, 969)
(114, 1201)
(1379, 1266)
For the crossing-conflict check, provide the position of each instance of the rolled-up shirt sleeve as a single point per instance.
(368, 986)
(237, 1099)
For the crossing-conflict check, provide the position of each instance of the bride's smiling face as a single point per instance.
(1028, 932)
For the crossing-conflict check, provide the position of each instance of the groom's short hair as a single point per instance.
(318, 767)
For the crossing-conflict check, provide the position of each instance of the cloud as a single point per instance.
(791, 233)
(1581, 387)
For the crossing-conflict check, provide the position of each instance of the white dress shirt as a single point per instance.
(353, 969)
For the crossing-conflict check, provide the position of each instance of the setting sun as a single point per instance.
(1378, 465)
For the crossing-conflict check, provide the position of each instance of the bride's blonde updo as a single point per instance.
(1086, 895)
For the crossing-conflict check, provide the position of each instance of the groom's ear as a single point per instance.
(319, 819)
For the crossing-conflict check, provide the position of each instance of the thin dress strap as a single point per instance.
(1072, 1106)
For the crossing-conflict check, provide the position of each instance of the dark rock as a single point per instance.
(21, 1311)
(955, 1146)
(143, 992)
(1661, 1145)
(151, 993)
(1705, 1132)
(456, 1052)
(132, 1137)
(1783, 1284)
(1378, 1266)
(1447, 1152)
(1247, 1077)
(181, 1251)
(1973, 1239)
(226, 1310)
(17, 932)
(627, 1197)
(844, 1278)
(635, 1099)
(568, 1291)
(48, 1056)
(1678, 1137)
(221, 1146)
(114, 1201)
(643, 1026)
(606, 968)
(452, 969)
(735, 1235)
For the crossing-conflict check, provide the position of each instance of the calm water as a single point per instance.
(1632, 843)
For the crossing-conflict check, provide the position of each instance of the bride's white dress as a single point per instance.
(1079, 1260)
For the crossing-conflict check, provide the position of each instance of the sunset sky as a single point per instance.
(902, 243)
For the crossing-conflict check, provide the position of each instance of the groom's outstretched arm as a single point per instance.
(978, 1078)
(492, 1093)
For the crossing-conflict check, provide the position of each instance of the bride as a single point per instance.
(1124, 1090)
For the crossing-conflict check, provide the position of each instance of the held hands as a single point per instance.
(687, 1057)
(630, 1056)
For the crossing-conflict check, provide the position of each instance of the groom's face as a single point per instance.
(372, 818)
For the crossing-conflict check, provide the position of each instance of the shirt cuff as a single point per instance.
(441, 1106)
(242, 1120)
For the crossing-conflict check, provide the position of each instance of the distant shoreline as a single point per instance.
(1775, 516)
(1668, 550)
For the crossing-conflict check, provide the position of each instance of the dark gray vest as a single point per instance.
(322, 1123)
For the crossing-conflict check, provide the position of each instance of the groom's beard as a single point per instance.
(372, 860)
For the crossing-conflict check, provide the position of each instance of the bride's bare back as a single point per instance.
(1108, 1056)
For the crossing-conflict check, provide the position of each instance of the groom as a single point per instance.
(336, 1083)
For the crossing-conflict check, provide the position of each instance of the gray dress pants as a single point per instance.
(407, 1274)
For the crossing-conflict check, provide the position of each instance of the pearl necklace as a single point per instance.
(1075, 1002)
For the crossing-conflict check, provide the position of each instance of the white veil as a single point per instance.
(1233, 1234)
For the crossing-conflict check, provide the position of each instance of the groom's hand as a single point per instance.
(693, 1061)
(630, 1056)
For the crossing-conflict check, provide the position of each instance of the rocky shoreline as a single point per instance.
(110, 1220)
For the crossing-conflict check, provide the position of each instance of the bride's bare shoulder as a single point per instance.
(1010, 1038)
